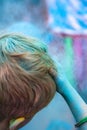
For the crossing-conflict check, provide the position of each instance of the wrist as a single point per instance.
(81, 122)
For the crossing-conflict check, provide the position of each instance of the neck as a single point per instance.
(4, 125)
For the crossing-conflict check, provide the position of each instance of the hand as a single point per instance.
(59, 76)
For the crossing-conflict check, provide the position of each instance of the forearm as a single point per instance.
(74, 100)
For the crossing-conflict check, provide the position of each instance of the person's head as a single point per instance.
(25, 83)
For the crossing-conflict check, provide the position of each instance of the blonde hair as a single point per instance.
(25, 83)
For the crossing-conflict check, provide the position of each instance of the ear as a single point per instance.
(15, 123)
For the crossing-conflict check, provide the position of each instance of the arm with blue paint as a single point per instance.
(71, 96)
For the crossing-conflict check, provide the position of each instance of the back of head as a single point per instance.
(25, 83)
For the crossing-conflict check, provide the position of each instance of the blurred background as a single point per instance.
(62, 25)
